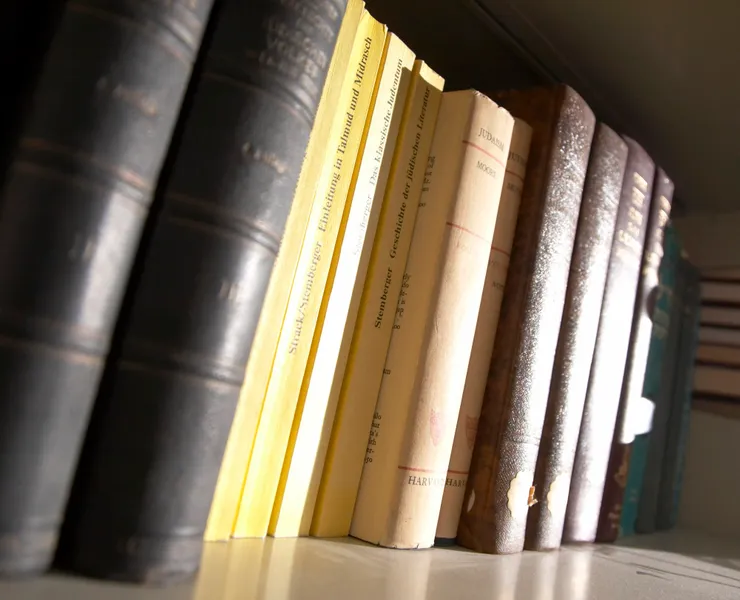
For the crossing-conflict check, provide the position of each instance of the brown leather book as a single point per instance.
(610, 354)
(637, 356)
(588, 269)
(499, 489)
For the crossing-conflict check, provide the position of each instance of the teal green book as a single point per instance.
(678, 426)
(653, 376)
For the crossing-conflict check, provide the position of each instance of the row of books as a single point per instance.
(361, 305)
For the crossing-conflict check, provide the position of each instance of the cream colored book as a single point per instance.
(359, 390)
(296, 335)
(230, 482)
(485, 332)
(401, 489)
(304, 460)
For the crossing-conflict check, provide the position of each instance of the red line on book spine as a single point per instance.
(486, 152)
(466, 230)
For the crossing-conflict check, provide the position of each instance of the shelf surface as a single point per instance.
(674, 566)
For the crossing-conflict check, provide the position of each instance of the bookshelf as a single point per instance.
(642, 69)
(676, 565)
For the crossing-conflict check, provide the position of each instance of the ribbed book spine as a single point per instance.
(577, 339)
(74, 203)
(499, 489)
(610, 354)
(629, 421)
(165, 411)
(485, 333)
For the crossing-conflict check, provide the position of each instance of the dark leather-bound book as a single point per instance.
(74, 203)
(610, 352)
(26, 31)
(575, 349)
(165, 408)
(499, 488)
(631, 409)
(678, 425)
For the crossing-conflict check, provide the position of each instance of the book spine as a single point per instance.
(292, 509)
(421, 474)
(373, 507)
(359, 392)
(610, 352)
(184, 350)
(577, 339)
(230, 483)
(382, 135)
(648, 501)
(672, 477)
(280, 406)
(499, 489)
(74, 204)
(485, 333)
(633, 385)
(628, 460)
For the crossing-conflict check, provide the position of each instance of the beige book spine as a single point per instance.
(385, 439)
(296, 498)
(359, 391)
(485, 332)
(421, 473)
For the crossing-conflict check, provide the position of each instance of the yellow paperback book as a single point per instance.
(354, 414)
(291, 357)
(304, 460)
(228, 492)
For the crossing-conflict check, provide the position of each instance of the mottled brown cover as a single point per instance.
(610, 354)
(577, 339)
(518, 383)
(637, 355)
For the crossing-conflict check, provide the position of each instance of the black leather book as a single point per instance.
(26, 30)
(74, 202)
(164, 412)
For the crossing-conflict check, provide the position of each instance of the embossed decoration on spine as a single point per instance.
(74, 203)
(184, 351)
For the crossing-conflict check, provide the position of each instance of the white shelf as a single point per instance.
(674, 566)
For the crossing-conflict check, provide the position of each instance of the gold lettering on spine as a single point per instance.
(290, 47)
(629, 236)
